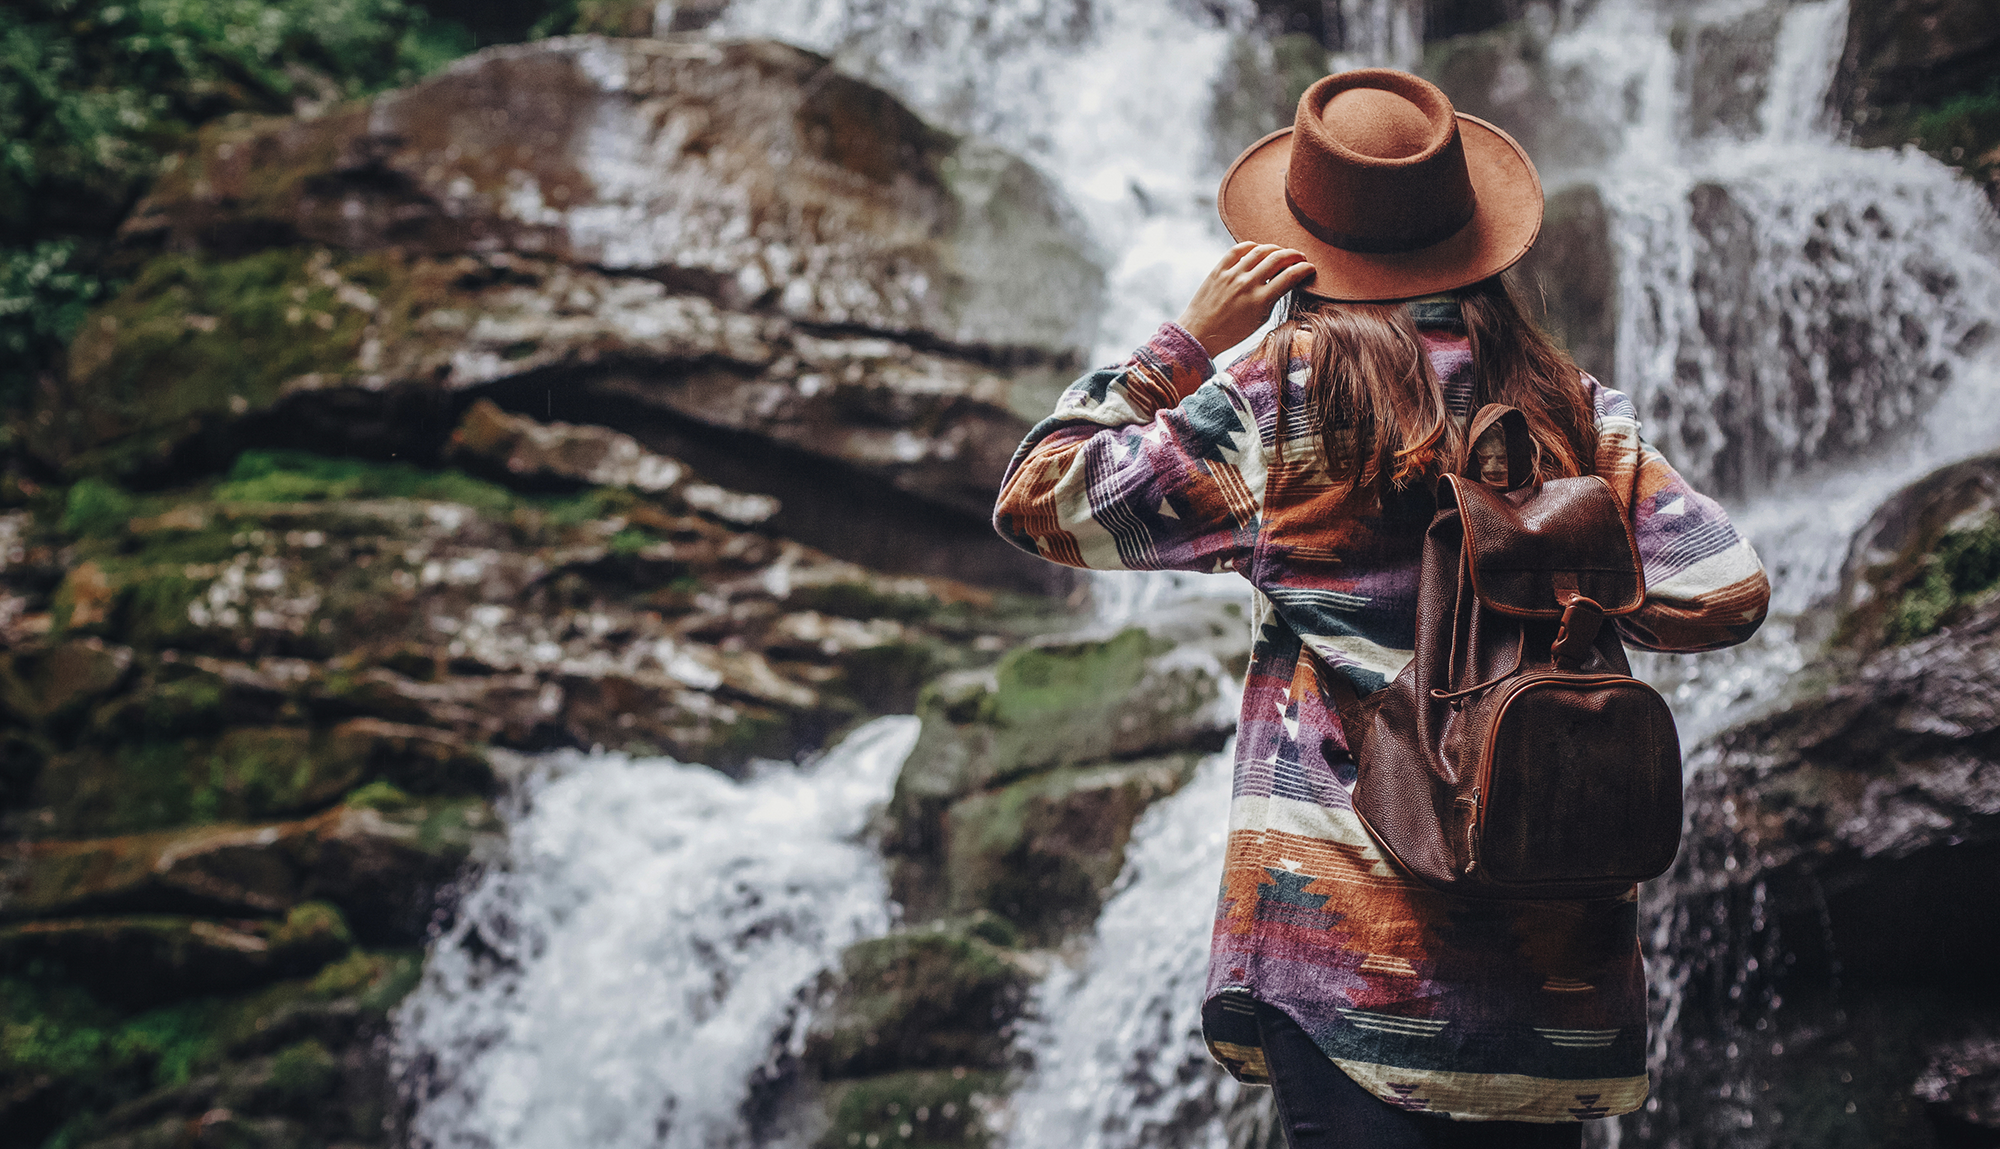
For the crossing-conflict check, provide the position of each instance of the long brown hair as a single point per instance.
(1381, 408)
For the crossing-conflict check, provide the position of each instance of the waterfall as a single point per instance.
(1795, 336)
(639, 956)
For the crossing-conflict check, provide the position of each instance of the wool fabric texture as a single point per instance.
(1469, 1008)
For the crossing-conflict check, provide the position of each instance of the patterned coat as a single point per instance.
(1477, 1009)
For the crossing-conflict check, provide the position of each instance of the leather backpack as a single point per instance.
(1516, 756)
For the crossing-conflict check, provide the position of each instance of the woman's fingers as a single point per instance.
(1275, 260)
(1291, 277)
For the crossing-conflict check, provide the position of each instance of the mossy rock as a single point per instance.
(244, 774)
(142, 960)
(46, 685)
(918, 1109)
(941, 995)
(1065, 701)
(296, 1059)
(1043, 852)
(383, 868)
(1929, 555)
(224, 337)
(1144, 691)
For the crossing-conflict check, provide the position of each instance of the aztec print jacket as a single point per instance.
(1476, 1009)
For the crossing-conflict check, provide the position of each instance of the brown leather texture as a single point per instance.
(1516, 757)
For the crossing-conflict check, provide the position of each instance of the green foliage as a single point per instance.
(1965, 565)
(632, 540)
(93, 93)
(95, 508)
(297, 477)
(1968, 121)
(43, 298)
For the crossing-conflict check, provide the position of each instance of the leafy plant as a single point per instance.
(94, 93)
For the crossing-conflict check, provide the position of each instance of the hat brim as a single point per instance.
(1506, 218)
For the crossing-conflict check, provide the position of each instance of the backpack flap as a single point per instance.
(1531, 552)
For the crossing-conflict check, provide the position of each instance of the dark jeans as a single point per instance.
(1321, 1107)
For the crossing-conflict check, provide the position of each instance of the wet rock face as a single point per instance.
(1824, 961)
(733, 253)
(751, 169)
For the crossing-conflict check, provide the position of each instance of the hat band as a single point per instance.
(1377, 245)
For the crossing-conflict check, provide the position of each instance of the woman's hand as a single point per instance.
(1237, 297)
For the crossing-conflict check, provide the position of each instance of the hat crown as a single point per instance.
(1379, 124)
(1377, 165)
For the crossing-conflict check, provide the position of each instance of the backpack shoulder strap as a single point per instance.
(1524, 455)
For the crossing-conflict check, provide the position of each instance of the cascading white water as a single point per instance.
(619, 978)
(1788, 322)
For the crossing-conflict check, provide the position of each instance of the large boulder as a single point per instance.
(728, 250)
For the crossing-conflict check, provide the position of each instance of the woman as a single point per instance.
(1383, 1012)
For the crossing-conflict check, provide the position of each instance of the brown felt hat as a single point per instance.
(1388, 191)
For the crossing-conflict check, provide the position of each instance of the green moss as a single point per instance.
(61, 1032)
(937, 995)
(312, 924)
(378, 795)
(1964, 566)
(921, 1109)
(96, 508)
(632, 540)
(1037, 682)
(191, 338)
(245, 774)
(1963, 130)
(298, 477)
(304, 1072)
(588, 506)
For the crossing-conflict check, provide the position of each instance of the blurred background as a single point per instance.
(503, 648)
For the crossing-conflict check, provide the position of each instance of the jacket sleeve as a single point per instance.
(1153, 465)
(1705, 588)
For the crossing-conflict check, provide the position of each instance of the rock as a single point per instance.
(1056, 703)
(1575, 267)
(805, 189)
(46, 684)
(1506, 76)
(933, 997)
(139, 961)
(735, 239)
(1921, 71)
(1922, 556)
(1043, 852)
(937, 1106)
(1818, 936)
(382, 868)
(1961, 1089)
(590, 456)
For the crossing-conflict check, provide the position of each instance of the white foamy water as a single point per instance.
(617, 980)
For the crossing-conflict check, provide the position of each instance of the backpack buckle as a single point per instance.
(1577, 634)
